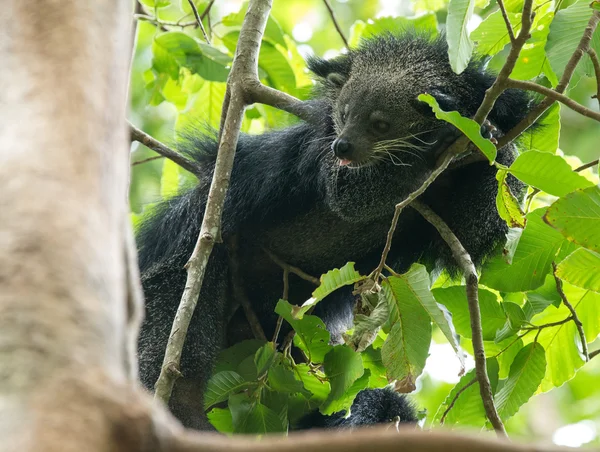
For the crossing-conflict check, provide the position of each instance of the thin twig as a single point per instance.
(149, 159)
(164, 23)
(538, 110)
(594, 57)
(550, 93)
(291, 269)
(142, 137)
(335, 23)
(576, 320)
(587, 165)
(199, 20)
(594, 353)
(464, 261)
(454, 400)
(509, 29)
(547, 325)
(206, 11)
(284, 296)
(448, 157)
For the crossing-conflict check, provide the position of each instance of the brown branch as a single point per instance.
(555, 96)
(151, 143)
(587, 165)
(198, 20)
(511, 34)
(244, 68)
(547, 325)
(454, 400)
(335, 23)
(596, 62)
(149, 159)
(291, 269)
(594, 353)
(538, 110)
(206, 11)
(576, 320)
(463, 259)
(447, 158)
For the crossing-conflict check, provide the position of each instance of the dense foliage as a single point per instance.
(532, 294)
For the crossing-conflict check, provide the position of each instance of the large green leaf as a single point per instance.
(250, 416)
(282, 379)
(565, 33)
(311, 334)
(531, 262)
(318, 387)
(460, 46)
(220, 418)
(221, 385)
(230, 358)
(406, 347)
(545, 138)
(455, 299)
(582, 269)
(577, 217)
(491, 35)
(343, 366)
(548, 172)
(330, 282)
(526, 373)
(504, 352)
(467, 126)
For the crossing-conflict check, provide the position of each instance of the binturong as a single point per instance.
(317, 195)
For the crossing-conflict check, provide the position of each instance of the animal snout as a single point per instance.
(342, 148)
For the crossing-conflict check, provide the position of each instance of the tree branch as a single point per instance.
(537, 111)
(335, 23)
(456, 396)
(149, 159)
(291, 269)
(463, 259)
(594, 57)
(509, 29)
(555, 96)
(244, 73)
(576, 320)
(164, 23)
(199, 20)
(151, 143)
(587, 165)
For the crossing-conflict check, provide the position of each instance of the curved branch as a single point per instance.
(555, 96)
(335, 23)
(463, 259)
(199, 20)
(158, 147)
(596, 62)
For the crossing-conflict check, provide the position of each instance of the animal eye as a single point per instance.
(381, 126)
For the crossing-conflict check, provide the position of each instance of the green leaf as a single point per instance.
(155, 3)
(372, 361)
(220, 418)
(467, 126)
(318, 387)
(282, 379)
(169, 181)
(366, 327)
(504, 352)
(405, 350)
(207, 105)
(460, 46)
(531, 262)
(426, 23)
(250, 416)
(455, 299)
(344, 402)
(526, 374)
(582, 269)
(343, 367)
(577, 217)
(491, 35)
(264, 358)
(221, 385)
(311, 334)
(538, 300)
(547, 172)
(565, 33)
(507, 205)
(545, 138)
(230, 358)
(175, 50)
(330, 282)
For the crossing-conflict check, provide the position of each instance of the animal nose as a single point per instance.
(342, 148)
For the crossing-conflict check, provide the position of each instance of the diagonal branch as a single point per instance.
(199, 20)
(335, 23)
(511, 33)
(151, 143)
(463, 259)
(596, 62)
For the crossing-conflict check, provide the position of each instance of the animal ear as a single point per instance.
(334, 72)
(444, 100)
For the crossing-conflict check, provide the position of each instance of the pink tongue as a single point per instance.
(344, 162)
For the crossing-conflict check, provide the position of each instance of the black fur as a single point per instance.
(370, 407)
(289, 194)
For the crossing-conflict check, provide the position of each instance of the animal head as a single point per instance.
(373, 92)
